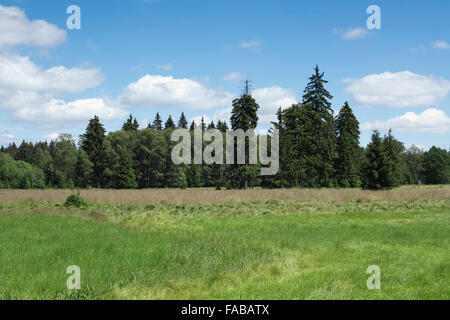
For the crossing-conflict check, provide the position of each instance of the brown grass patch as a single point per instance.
(209, 196)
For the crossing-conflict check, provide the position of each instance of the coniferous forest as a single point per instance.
(317, 150)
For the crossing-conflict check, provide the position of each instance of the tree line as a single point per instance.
(317, 150)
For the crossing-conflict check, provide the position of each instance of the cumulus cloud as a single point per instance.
(233, 76)
(351, 33)
(56, 112)
(16, 29)
(160, 91)
(441, 45)
(20, 73)
(401, 89)
(5, 136)
(430, 121)
(272, 98)
(51, 137)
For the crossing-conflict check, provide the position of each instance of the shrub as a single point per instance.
(75, 200)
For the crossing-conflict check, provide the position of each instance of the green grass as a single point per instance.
(255, 250)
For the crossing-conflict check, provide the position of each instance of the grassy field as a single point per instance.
(315, 246)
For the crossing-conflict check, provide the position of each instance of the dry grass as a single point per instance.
(208, 196)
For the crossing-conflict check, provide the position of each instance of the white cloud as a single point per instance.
(160, 91)
(166, 67)
(351, 33)
(51, 137)
(401, 89)
(20, 73)
(58, 113)
(441, 45)
(270, 99)
(233, 76)
(198, 120)
(430, 121)
(251, 43)
(16, 29)
(5, 136)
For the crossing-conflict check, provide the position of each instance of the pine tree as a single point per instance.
(83, 169)
(348, 150)
(203, 125)
(131, 124)
(222, 126)
(436, 166)
(126, 178)
(157, 123)
(92, 143)
(376, 166)
(244, 116)
(393, 149)
(193, 126)
(182, 123)
(319, 127)
(193, 175)
(169, 123)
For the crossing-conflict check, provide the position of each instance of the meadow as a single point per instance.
(208, 244)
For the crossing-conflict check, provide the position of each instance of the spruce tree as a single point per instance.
(83, 169)
(376, 165)
(211, 125)
(182, 123)
(319, 128)
(348, 150)
(131, 124)
(92, 143)
(126, 178)
(436, 166)
(193, 126)
(157, 123)
(203, 125)
(169, 123)
(222, 126)
(393, 149)
(244, 116)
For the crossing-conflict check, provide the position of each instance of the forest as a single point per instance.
(317, 150)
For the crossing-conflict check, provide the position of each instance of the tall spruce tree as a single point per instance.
(319, 127)
(348, 162)
(182, 123)
(92, 143)
(244, 116)
(157, 123)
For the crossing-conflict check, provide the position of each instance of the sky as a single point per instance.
(169, 56)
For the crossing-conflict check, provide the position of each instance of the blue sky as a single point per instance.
(171, 56)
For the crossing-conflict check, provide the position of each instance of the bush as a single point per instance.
(75, 200)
